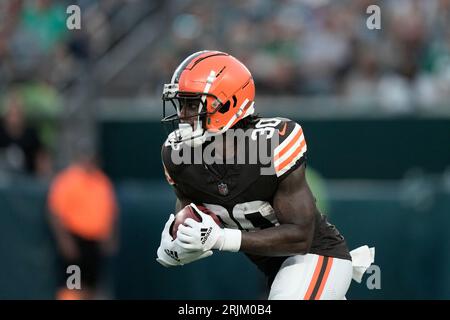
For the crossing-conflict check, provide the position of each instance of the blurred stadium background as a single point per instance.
(374, 105)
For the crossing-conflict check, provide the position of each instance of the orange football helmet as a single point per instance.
(219, 85)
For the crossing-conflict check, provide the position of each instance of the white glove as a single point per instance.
(207, 235)
(170, 254)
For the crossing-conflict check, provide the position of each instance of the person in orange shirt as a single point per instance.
(83, 212)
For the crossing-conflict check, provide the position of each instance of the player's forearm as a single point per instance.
(286, 239)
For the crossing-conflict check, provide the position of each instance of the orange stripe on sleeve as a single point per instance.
(291, 157)
(314, 278)
(289, 145)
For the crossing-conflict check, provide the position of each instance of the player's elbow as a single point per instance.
(303, 240)
(301, 247)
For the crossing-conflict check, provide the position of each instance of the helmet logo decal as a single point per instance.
(209, 81)
(184, 64)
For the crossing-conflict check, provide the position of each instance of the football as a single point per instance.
(189, 212)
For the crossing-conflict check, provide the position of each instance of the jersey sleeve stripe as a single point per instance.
(291, 136)
(293, 157)
(293, 144)
(289, 162)
(288, 153)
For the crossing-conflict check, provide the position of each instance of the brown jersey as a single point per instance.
(241, 194)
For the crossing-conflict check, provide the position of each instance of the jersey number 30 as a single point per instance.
(247, 216)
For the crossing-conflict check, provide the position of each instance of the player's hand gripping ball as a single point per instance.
(189, 212)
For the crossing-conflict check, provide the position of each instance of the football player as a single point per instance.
(271, 217)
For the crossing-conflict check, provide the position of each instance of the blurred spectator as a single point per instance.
(21, 150)
(292, 47)
(45, 20)
(321, 47)
(83, 217)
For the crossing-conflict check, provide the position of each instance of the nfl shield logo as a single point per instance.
(223, 188)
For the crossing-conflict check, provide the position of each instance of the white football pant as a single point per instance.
(312, 277)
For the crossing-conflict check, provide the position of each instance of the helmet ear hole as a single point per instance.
(225, 107)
